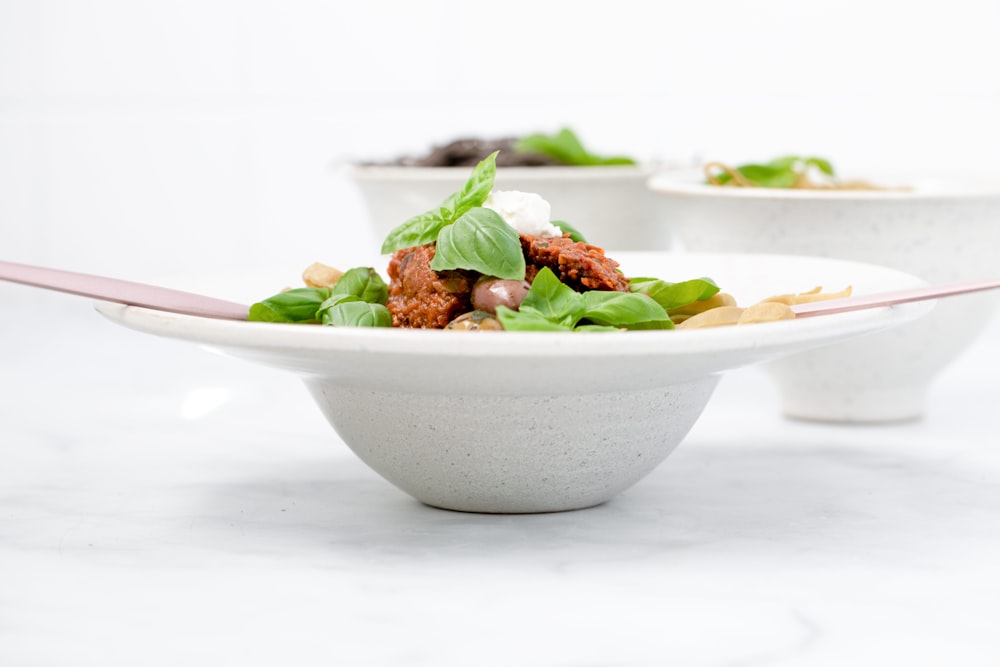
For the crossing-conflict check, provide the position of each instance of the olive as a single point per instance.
(488, 293)
(476, 320)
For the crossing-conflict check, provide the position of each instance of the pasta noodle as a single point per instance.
(721, 310)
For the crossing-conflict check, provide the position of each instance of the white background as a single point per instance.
(146, 139)
(143, 139)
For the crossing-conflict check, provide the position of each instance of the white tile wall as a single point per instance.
(142, 138)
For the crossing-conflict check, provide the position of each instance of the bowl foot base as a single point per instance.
(858, 405)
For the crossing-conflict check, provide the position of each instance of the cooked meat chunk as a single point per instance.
(580, 265)
(421, 298)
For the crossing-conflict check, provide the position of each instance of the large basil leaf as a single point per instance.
(550, 305)
(297, 305)
(674, 295)
(565, 147)
(425, 227)
(418, 230)
(622, 309)
(476, 189)
(362, 282)
(766, 176)
(480, 240)
(344, 310)
(527, 320)
(552, 299)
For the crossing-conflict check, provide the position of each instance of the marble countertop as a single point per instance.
(161, 505)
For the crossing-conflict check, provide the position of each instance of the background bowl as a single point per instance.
(943, 229)
(517, 422)
(610, 205)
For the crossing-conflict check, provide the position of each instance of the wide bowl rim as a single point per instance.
(419, 343)
(689, 182)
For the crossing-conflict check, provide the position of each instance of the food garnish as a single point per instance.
(486, 260)
(790, 172)
(564, 147)
(726, 312)
(357, 298)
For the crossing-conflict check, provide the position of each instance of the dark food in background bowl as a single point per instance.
(561, 149)
(470, 152)
(606, 195)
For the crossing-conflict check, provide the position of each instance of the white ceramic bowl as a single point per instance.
(944, 229)
(611, 205)
(514, 422)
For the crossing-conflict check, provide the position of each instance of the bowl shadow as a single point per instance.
(706, 497)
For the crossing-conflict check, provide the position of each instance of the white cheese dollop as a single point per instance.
(526, 212)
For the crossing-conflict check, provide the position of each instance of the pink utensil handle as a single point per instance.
(122, 291)
(891, 298)
(177, 301)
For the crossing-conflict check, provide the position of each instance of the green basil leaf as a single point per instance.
(425, 227)
(623, 309)
(550, 305)
(475, 191)
(418, 230)
(786, 163)
(480, 241)
(781, 172)
(553, 300)
(674, 295)
(363, 282)
(295, 305)
(527, 320)
(798, 164)
(766, 176)
(566, 228)
(345, 310)
(565, 147)
(722, 178)
(821, 164)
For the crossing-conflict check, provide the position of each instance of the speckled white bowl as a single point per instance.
(944, 229)
(517, 422)
(610, 205)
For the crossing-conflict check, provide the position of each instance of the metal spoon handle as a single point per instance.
(891, 298)
(122, 291)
